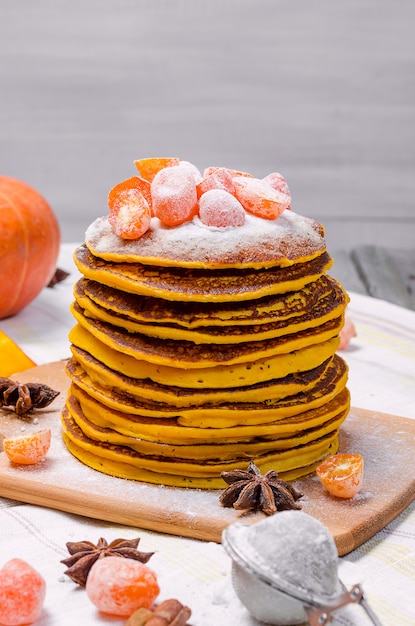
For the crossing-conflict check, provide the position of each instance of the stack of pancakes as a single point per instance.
(198, 349)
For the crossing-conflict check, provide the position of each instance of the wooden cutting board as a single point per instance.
(387, 443)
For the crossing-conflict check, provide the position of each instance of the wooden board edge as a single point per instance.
(85, 505)
(347, 541)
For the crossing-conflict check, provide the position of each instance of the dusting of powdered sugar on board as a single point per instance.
(386, 442)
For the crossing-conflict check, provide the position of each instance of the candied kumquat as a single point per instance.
(219, 208)
(120, 194)
(212, 169)
(22, 593)
(278, 182)
(174, 195)
(119, 586)
(193, 169)
(129, 203)
(132, 219)
(149, 167)
(346, 333)
(342, 474)
(28, 449)
(260, 198)
(219, 178)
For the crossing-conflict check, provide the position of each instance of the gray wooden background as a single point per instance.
(321, 90)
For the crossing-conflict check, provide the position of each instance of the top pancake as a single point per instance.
(285, 241)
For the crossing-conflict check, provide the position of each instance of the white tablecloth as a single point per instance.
(381, 359)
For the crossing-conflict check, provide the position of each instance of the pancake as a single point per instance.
(188, 355)
(291, 239)
(195, 314)
(180, 396)
(213, 415)
(124, 462)
(197, 348)
(219, 376)
(193, 285)
(328, 307)
(329, 422)
(170, 431)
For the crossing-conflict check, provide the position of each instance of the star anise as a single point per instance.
(251, 491)
(24, 397)
(58, 277)
(85, 553)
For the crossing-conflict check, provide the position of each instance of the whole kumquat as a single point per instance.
(120, 586)
(221, 209)
(22, 593)
(28, 449)
(342, 474)
(173, 190)
(219, 178)
(278, 182)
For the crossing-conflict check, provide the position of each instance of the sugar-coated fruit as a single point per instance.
(126, 190)
(173, 190)
(347, 333)
(278, 182)
(129, 203)
(132, 219)
(149, 167)
(221, 209)
(119, 586)
(259, 198)
(28, 449)
(211, 169)
(218, 178)
(192, 169)
(22, 593)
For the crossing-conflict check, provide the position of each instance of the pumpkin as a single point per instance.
(29, 245)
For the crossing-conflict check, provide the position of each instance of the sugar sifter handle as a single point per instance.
(319, 616)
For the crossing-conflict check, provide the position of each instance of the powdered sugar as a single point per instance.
(193, 243)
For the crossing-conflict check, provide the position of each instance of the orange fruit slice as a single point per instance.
(28, 449)
(259, 198)
(342, 474)
(120, 193)
(149, 167)
(129, 203)
(13, 358)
